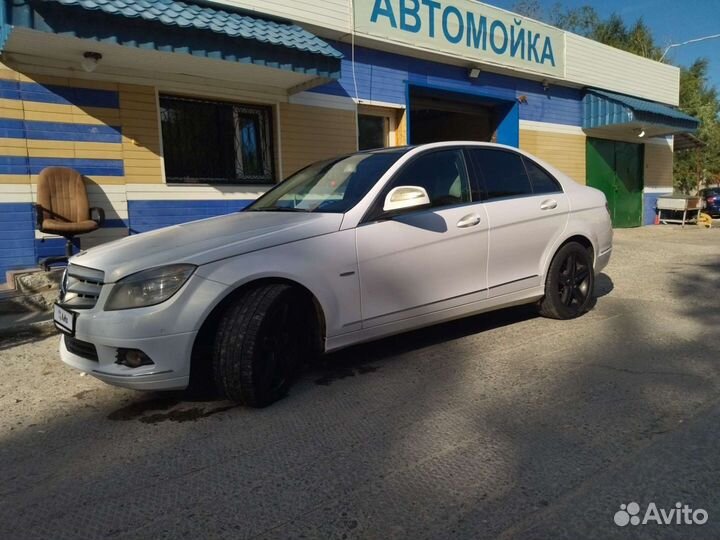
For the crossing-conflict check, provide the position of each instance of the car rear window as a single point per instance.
(502, 172)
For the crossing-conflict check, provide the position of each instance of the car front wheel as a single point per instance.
(569, 283)
(259, 345)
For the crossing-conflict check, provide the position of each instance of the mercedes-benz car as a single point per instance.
(347, 250)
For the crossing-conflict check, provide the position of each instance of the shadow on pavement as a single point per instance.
(504, 424)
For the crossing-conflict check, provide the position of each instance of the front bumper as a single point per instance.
(171, 370)
(165, 333)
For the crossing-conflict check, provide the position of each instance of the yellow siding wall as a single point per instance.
(562, 150)
(401, 131)
(309, 134)
(139, 118)
(658, 165)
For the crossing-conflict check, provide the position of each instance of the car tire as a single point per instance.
(259, 345)
(569, 283)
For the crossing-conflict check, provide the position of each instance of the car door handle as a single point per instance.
(468, 221)
(549, 204)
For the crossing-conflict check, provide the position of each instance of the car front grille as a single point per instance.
(81, 348)
(80, 287)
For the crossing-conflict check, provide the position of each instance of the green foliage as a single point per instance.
(582, 20)
(529, 8)
(700, 99)
(693, 168)
(613, 31)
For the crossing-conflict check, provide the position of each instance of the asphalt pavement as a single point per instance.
(504, 425)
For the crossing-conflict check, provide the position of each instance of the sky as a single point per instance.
(671, 21)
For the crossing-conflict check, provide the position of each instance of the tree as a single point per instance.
(529, 8)
(582, 20)
(697, 96)
(700, 99)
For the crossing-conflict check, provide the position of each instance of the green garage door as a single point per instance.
(615, 168)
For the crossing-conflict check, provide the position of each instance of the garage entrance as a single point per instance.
(616, 169)
(438, 115)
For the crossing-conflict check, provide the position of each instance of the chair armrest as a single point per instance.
(97, 214)
(39, 215)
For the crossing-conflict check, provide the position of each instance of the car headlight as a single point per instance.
(148, 287)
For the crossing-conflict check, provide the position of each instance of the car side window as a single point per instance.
(443, 175)
(503, 173)
(541, 180)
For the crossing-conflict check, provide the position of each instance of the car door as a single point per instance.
(527, 211)
(422, 260)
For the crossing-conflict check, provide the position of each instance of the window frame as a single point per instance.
(385, 127)
(479, 176)
(267, 118)
(375, 212)
(392, 122)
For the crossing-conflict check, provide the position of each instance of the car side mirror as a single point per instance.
(403, 197)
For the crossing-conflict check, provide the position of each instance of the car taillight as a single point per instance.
(711, 199)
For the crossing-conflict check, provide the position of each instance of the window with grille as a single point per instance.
(216, 142)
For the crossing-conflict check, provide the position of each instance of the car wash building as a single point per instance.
(174, 111)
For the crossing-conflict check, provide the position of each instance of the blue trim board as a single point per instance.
(58, 131)
(383, 77)
(508, 131)
(63, 95)
(155, 214)
(88, 167)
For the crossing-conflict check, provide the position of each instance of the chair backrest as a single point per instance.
(62, 195)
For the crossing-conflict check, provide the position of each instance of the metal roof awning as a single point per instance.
(196, 29)
(686, 141)
(609, 113)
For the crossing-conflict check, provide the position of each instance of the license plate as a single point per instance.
(64, 319)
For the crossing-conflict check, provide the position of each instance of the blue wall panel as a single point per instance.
(382, 76)
(650, 205)
(150, 215)
(54, 247)
(557, 105)
(64, 95)
(58, 131)
(17, 237)
(52, 131)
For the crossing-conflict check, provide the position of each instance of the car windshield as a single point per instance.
(334, 185)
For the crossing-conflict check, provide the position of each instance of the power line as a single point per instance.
(672, 46)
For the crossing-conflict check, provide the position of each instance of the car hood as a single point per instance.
(204, 241)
